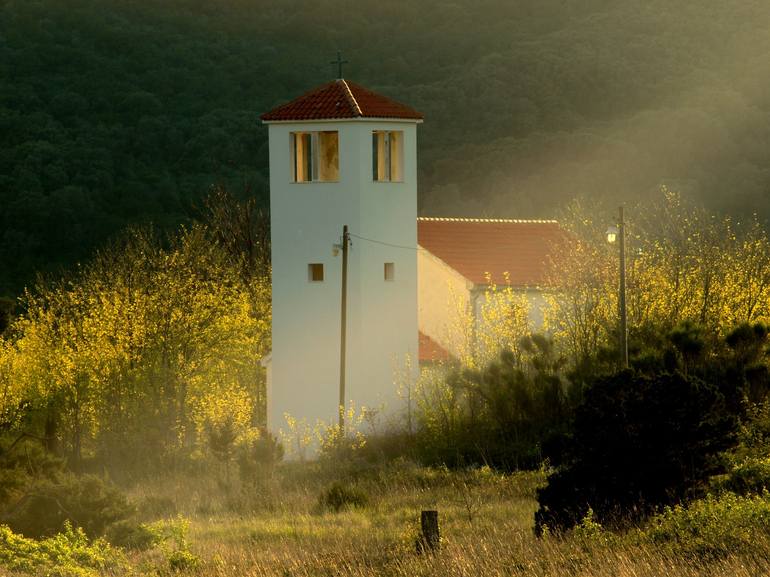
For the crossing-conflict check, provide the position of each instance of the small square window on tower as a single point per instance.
(315, 272)
(387, 155)
(390, 271)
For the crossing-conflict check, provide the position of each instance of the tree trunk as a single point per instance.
(50, 439)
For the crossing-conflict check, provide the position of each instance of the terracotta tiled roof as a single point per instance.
(430, 351)
(341, 99)
(474, 247)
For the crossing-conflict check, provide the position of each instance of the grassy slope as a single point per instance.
(486, 523)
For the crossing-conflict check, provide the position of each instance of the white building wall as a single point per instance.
(389, 308)
(306, 220)
(444, 297)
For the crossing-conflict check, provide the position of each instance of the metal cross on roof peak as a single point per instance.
(339, 62)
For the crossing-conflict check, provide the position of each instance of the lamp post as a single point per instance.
(618, 233)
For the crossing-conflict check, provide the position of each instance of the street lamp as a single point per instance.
(618, 233)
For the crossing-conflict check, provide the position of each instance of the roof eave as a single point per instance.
(353, 119)
(487, 220)
(535, 287)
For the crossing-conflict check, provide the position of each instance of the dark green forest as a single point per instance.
(118, 112)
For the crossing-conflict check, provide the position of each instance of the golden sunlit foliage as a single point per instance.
(139, 351)
(692, 278)
(503, 319)
(489, 320)
(580, 312)
(683, 264)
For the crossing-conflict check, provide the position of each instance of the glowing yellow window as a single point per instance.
(315, 156)
(387, 155)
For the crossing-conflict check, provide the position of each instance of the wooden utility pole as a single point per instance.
(622, 296)
(343, 324)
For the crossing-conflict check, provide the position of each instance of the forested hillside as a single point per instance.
(115, 111)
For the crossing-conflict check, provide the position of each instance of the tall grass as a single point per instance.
(486, 524)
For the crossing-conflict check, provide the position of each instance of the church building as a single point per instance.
(342, 156)
(458, 260)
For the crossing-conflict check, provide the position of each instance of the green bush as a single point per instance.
(590, 533)
(7, 307)
(45, 506)
(155, 507)
(713, 527)
(66, 554)
(500, 415)
(751, 477)
(257, 458)
(23, 462)
(339, 496)
(221, 438)
(638, 443)
(181, 560)
(38, 494)
(174, 543)
(132, 535)
(755, 429)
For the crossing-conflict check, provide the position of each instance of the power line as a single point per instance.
(385, 243)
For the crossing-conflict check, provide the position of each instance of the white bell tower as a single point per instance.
(341, 155)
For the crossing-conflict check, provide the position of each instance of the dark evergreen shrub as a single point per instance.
(748, 365)
(749, 478)
(258, 457)
(22, 462)
(504, 413)
(131, 535)
(221, 439)
(638, 443)
(339, 496)
(86, 501)
(6, 313)
(155, 507)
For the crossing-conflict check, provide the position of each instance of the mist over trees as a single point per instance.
(132, 397)
(116, 113)
(142, 366)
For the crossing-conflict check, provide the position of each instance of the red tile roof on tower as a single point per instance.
(429, 351)
(475, 247)
(341, 99)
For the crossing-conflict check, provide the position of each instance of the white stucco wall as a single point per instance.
(306, 220)
(444, 295)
